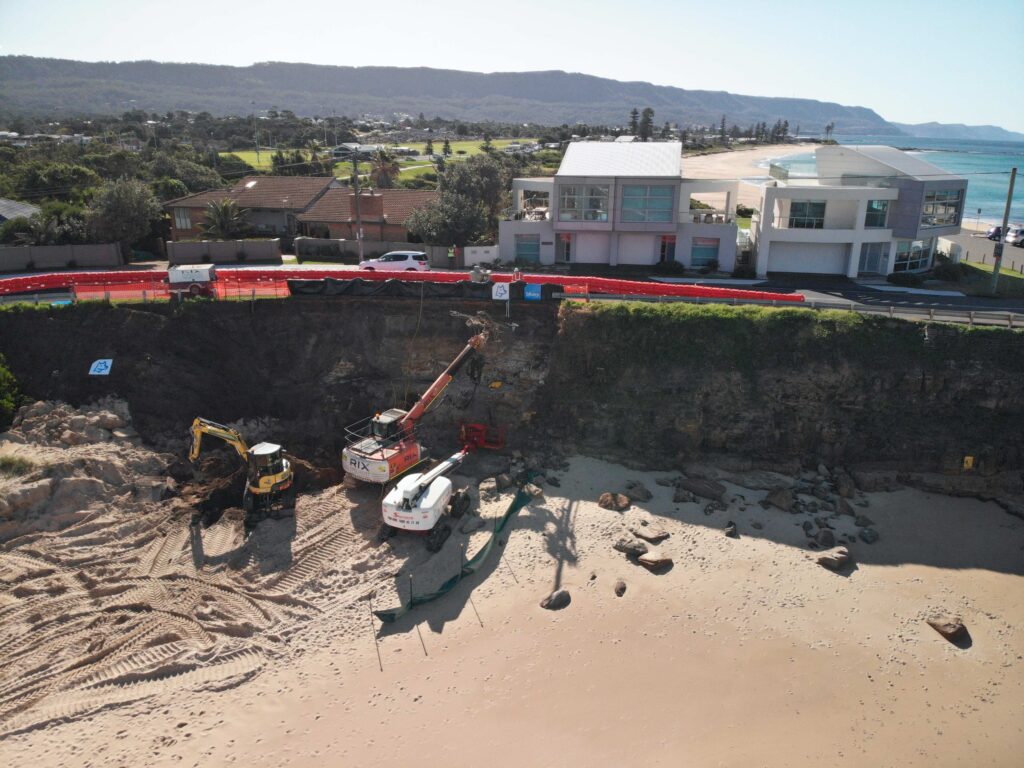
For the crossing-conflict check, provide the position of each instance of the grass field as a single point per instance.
(412, 167)
(977, 281)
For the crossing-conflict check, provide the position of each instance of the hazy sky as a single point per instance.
(909, 60)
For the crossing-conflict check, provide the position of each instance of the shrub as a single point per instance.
(745, 211)
(905, 279)
(744, 272)
(948, 271)
(9, 396)
(460, 152)
(15, 465)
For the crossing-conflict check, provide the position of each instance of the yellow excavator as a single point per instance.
(269, 477)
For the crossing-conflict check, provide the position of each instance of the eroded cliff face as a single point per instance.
(773, 387)
(648, 384)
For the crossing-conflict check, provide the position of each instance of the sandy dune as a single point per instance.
(745, 652)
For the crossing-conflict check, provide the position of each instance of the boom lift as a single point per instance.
(385, 446)
(419, 500)
(269, 475)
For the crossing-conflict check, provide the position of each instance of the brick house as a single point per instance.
(273, 204)
(383, 213)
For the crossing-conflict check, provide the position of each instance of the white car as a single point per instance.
(402, 261)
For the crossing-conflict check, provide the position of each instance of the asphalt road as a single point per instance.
(979, 248)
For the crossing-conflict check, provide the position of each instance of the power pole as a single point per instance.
(255, 133)
(359, 218)
(998, 250)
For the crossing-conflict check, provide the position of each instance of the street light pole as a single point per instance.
(998, 250)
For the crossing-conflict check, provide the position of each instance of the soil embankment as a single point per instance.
(641, 383)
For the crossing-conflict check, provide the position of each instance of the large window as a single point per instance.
(942, 208)
(804, 214)
(703, 251)
(878, 213)
(644, 203)
(182, 220)
(912, 255)
(582, 202)
(528, 247)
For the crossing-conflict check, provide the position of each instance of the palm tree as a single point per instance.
(384, 170)
(224, 220)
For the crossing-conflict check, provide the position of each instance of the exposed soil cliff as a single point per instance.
(649, 383)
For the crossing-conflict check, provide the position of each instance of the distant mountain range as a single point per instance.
(37, 86)
(959, 131)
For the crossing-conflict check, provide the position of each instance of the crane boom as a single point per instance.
(410, 495)
(442, 381)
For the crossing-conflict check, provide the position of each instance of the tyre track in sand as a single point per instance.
(108, 611)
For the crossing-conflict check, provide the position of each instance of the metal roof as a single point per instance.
(661, 159)
(12, 209)
(902, 162)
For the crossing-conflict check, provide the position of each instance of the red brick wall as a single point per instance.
(371, 231)
(192, 233)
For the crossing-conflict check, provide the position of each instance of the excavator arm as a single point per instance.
(434, 390)
(230, 436)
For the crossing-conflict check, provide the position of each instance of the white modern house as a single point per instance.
(870, 210)
(621, 203)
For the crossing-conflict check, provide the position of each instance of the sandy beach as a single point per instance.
(743, 651)
(741, 163)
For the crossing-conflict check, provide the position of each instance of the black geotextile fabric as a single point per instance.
(464, 289)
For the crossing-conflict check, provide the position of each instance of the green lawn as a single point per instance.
(743, 222)
(469, 147)
(978, 280)
(249, 156)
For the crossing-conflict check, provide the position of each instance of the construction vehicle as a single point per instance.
(419, 499)
(385, 446)
(269, 478)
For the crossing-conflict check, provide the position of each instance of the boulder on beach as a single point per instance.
(652, 561)
(950, 627)
(637, 491)
(614, 501)
(630, 547)
(557, 600)
(708, 489)
(620, 588)
(782, 498)
(834, 559)
(650, 533)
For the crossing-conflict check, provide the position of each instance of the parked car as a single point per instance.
(398, 260)
(994, 233)
(1015, 236)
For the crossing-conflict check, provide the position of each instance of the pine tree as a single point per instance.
(634, 121)
(721, 129)
(446, 150)
(646, 127)
(429, 149)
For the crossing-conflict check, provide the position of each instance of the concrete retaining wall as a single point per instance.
(224, 251)
(478, 254)
(17, 258)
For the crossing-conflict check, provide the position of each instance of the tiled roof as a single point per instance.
(293, 193)
(199, 199)
(336, 206)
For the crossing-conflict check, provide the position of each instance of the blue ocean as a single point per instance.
(985, 164)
